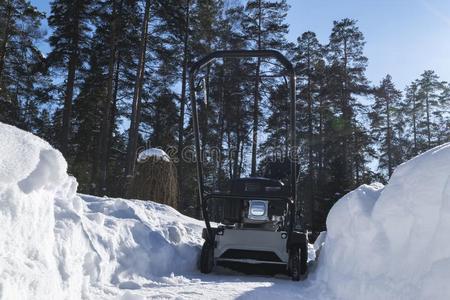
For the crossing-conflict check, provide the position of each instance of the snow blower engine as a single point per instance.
(256, 216)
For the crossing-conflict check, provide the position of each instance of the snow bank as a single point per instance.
(34, 261)
(392, 242)
(135, 243)
(55, 244)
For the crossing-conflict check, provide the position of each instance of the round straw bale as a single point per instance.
(155, 178)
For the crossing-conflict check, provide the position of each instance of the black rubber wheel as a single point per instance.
(294, 264)
(298, 263)
(206, 258)
(304, 260)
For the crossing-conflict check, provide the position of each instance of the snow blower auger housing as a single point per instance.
(257, 216)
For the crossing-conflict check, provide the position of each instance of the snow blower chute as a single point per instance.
(257, 223)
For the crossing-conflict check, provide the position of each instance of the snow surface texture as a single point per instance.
(36, 258)
(393, 242)
(386, 243)
(55, 244)
(152, 153)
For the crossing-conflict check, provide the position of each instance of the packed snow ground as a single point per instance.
(382, 243)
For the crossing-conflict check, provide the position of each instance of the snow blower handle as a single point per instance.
(195, 67)
(242, 54)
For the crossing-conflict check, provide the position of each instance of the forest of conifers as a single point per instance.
(114, 79)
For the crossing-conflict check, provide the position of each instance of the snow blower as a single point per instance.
(257, 223)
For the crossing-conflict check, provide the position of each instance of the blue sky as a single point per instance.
(404, 37)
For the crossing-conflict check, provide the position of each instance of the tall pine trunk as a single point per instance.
(114, 104)
(427, 102)
(358, 163)
(183, 103)
(236, 153)
(67, 110)
(256, 97)
(106, 127)
(230, 154)
(348, 130)
(221, 127)
(414, 125)
(321, 138)
(388, 136)
(310, 179)
(255, 118)
(70, 83)
(241, 160)
(5, 40)
(136, 106)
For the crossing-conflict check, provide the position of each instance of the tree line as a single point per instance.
(115, 79)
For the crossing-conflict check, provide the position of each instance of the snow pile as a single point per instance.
(138, 243)
(36, 259)
(392, 242)
(55, 244)
(152, 153)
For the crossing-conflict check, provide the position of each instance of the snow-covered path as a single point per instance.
(221, 286)
(231, 287)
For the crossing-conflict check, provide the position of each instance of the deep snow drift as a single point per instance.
(37, 254)
(382, 243)
(393, 242)
(55, 244)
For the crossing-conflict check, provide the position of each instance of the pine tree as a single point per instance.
(22, 72)
(183, 98)
(325, 146)
(412, 108)
(160, 116)
(428, 95)
(112, 16)
(385, 124)
(44, 126)
(104, 80)
(69, 21)
(348, 65)
(442, 127)
(308, 56)
(136, 105)
(264, 26)
(87, 124)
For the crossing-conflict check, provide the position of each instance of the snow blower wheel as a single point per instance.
(255, 216)
(295, 264)
(206, 258)
(304, 260)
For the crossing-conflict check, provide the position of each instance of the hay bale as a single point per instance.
(156, 178)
